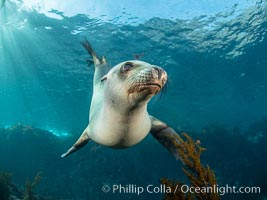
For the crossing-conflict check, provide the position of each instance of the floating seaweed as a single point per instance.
(200, 176)
(29, 195)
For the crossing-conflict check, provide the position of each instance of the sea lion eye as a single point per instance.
(126, 67)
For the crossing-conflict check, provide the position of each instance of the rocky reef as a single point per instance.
(238, 157)
(22, 151)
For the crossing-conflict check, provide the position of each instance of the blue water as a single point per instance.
(215, 55)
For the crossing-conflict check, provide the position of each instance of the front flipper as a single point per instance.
(166, 136)
(82, 141)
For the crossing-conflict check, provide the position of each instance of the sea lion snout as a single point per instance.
(150, 79)
(159, 74)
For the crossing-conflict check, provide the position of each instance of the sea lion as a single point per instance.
(118, 113)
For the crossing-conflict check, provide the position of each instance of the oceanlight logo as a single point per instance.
(163, 189)
(222, 190)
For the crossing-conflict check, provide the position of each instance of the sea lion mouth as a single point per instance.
(152, 85)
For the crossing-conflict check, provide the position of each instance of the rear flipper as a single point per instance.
(82, 141)
(166, 136)
(101, 65)
(91, 51)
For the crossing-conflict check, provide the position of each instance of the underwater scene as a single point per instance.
(198, 67)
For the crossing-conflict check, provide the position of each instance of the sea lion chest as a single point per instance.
(114, 129)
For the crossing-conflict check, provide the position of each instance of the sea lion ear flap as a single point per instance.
(103, 60)
(104, 78)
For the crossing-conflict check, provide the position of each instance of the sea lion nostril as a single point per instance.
(157, 72)
(157, 69)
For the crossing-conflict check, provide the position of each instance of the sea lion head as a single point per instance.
(133, 83)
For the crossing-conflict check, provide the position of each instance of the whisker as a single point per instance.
(129, 81)
(164, 90)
